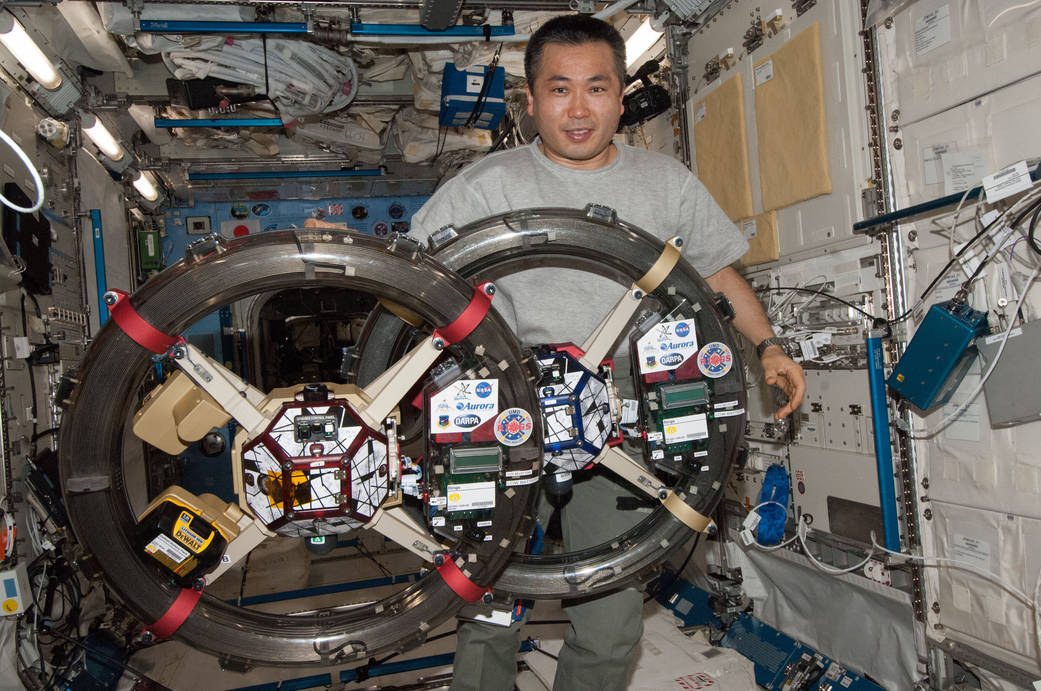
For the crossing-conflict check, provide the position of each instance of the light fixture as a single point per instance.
(145, 184)
(26, 52)
(102, 138)
(641, 40)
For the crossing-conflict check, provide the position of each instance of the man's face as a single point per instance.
(576, 103)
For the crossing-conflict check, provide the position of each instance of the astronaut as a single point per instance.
(575, 69)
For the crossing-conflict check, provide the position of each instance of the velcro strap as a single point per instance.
(681, 510)
(134, 325)
(661, 268)
(466, 322)
(177, 614)
(459, 583)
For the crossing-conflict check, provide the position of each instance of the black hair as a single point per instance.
(574, 30)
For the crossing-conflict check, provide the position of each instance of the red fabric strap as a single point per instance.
(459, 583)
(134, 325)
(469, 319)
(176, 615)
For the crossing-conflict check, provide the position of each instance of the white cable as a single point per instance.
(957, 563)
(990, 370)
(770, 548)
(32, 171)
(954, 224)
(438, 40)
(1010, 9)
(800, 532)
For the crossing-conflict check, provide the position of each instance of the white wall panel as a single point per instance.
(824, 221)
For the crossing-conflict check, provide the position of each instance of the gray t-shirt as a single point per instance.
(647, 189)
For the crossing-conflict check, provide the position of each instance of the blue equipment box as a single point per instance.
(939, 355)
(461, 90)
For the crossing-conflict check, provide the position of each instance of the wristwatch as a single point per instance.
(772, 341)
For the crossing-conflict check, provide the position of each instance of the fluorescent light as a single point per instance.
(25, 51)
(145, 184)
(102, 138)
(641, 40)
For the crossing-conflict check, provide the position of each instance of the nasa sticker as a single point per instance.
(715, 360)
(513, 427)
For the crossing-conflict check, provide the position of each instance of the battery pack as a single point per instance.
(185, 533)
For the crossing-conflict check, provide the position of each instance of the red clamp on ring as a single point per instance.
(134, 325)
(469, 319)
(460, 584)
(176, 615)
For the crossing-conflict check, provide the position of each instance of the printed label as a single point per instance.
(931, 170)
(686, 428)
(748, 229)
(963, 170)
(699, 113)
(1006, 182)
(715, 360)
(932, 30)
(972, 550)
(729, 413)
(471, 496)
(667, 346)
(173, 551)
(474, 82)
(764, 73)
(464, 406)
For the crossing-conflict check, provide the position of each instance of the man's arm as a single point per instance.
(779, 369)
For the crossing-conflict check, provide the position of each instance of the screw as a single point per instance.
(912, 235)
(678, 242)
(438, 343)
(637, 294)
(290, 514)
(895, 115)
(198, 584)
(489, 289)
(898, 143)
(889, 23)
(147, 637)
(111, 298)
(928, 514)
(663, 493)
(439, 559)
(487, 598)
(936, 607)
(288, 465)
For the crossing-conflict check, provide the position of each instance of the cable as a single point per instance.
(779, 289)
(32, 171)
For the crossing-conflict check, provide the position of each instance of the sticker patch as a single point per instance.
(513, 427)
(715, 360)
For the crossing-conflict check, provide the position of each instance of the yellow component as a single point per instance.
(10, 606)
(403, 313)
(177, 413)
(184, 534)
(900, 377)
(222, 516)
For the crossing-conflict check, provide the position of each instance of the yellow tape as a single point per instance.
(661, 268)
(691, 518)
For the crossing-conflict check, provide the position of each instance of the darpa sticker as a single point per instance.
(715, 360)
(465, 405)
(667, 346)
(513, 426)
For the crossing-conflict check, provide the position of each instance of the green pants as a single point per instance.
(601, 643)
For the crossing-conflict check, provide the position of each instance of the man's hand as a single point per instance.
(781, 371)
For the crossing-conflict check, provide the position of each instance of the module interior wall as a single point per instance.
(812, 226)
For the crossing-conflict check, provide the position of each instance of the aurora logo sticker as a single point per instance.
(715, 360)
(513, 427)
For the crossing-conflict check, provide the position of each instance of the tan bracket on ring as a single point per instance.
(688, 516)
(662, 266)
